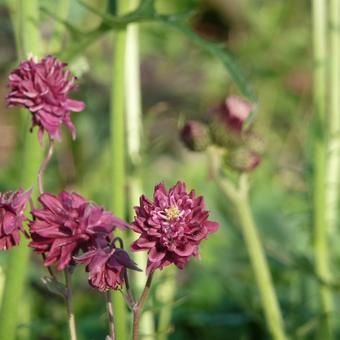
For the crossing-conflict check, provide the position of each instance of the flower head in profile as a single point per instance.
(43, 87)
(12, 206)
(171, 226)
(106, 265)
(67, 223)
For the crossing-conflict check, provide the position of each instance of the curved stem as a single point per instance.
(43, 166)
(110, 315)
(137, 310)
(257, 258)
(69, 304)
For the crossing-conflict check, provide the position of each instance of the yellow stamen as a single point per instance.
(172, 213)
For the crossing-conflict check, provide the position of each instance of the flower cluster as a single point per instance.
(171, 226)
(68, 229)
(226, 129)
(43, 88)
(12, 206)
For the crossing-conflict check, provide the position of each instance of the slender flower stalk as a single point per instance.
(44, 164)
(29, 41)
(69, 302)
(320, 193)
(137, 310)
(110, 315)
(270, 305)
(118, 151)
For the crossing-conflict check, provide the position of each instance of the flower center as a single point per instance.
(172, 213)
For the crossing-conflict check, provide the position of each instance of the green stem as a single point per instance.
(69, 304)
(133, 134)
(118, 153)
(62, 9)
(257, 258)
(109, 309)
(138, 308)
(320, 156)
(30, 42)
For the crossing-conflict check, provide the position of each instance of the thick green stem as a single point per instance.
(118, 153)
(257, 258)
(320, 157)
(133, 134)
(30, 42)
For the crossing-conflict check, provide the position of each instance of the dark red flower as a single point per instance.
(12, 206)
(43, 88)
(66, 224)
(106, 266)
(171, 226)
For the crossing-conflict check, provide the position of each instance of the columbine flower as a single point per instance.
(43, 88)
(171, 226)
(12, 206)
(106, 266)
(66, 224)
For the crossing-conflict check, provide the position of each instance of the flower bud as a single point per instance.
(236, 111)
(195, 135)
(242, 159)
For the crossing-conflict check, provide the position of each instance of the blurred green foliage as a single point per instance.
(217, 297)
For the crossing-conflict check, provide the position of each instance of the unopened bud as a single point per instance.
(242, 159)
(195, 135)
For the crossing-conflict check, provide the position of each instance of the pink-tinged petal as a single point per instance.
(9, 223)
(145, 243)
(212, 226)
(185, 250)
(155, 255)
(52, 203)
(74, 105)
(20, 200)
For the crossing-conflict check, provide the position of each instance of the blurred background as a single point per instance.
(214, 298)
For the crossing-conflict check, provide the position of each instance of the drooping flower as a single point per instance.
(105, 265)
(12, 206)
(43, 87)
(172, 226)
(67, 223)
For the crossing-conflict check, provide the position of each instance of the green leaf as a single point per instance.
(54, 286)
(220, 53)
